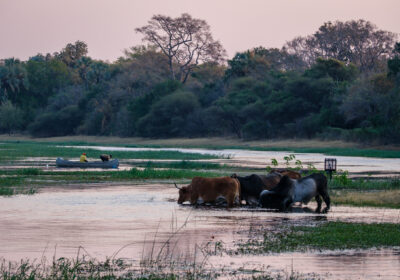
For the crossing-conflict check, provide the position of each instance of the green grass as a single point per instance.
(6, 191)
(184, 164)
(327, 236)
(20, 181)
(341, 181)
(119, 269)
(36, 148)
(10, 151)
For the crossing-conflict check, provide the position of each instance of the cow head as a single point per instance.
(184, 193)
(272, 200)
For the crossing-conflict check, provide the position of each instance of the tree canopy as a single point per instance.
(184, 40)
(341, 82)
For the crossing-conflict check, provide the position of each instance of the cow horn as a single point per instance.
(177, 187)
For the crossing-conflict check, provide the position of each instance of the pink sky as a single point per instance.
(28, 27)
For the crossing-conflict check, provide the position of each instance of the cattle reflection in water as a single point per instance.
(290, 191)
(208, 190)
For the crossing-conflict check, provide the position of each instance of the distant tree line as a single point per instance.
(342, 82)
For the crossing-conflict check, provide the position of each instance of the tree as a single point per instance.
(11, 117)
(45, 78)
(185, 41)
(356, 41)
(333, 68)
(72, 53)
(13, 79)
(169, 115)
(394, 63)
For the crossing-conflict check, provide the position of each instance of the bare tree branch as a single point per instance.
(186, 42)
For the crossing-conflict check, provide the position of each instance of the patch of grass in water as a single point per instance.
(12, 179)
(6, 191)
(184, 164)
(28, 171)
(17, 150)
(150, 173)
(327, 236)
(120, 269)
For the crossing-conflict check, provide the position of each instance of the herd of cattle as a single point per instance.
(276, 190)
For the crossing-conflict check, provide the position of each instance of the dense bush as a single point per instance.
(309, 88)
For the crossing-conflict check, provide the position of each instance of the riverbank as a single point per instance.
(293, 145)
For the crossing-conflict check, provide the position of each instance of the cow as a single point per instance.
(209, 189)
(271, 180)
(290, 191)
(105, 157)
(251, 186)
(292, 174)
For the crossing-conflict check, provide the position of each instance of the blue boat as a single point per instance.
(60, 162)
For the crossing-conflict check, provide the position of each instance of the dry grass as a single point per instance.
(386, 198)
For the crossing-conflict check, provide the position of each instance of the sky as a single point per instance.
(28, 27)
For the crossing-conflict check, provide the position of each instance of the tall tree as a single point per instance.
(356, 41)
(13, 79)
(11, 117)
(72, 53)
(185, 41)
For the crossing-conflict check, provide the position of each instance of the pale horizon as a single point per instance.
(45, 26)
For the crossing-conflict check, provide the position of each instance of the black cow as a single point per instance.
(251, 186)
(104, 157)
(290, 191)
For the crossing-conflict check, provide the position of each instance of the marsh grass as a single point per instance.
(184, 164)
(327, 236)
(337, 148)
(25, 182)
(86, 268)
(6, 191)
(17, 150)
(342, 181)
(384, 198)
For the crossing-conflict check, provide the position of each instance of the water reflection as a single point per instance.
(145, 221)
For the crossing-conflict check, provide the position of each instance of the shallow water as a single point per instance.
(261, 159)
(135, 221)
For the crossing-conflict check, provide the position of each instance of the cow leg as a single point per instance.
(327, 201)
(230, 200)
(319, 202)
(286, 204)
(193, 199)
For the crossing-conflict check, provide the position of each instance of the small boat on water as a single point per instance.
(60, 162)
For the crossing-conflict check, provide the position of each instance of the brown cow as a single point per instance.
(286, 172)
(209, 189)
(271, 180)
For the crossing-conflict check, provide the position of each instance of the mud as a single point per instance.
(144, 222)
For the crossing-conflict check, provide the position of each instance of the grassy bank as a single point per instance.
(327, 236)
(11, 151)
(338, 148)
(343, 182)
